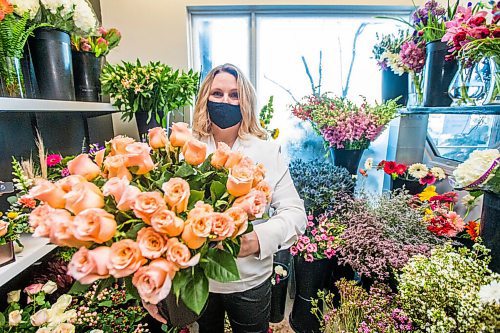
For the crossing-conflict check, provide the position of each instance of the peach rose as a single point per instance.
(240, 179)
(221, 155)
(146, 204)
(125, 258)
(48, 192)
(119, 143)
(158, 138)
(83, 196)
(139, 158)
(151, 243)
(115, 187)
(166, 222)
(37, 216)
(254, 203)
(153, 282)
(99, 157)
(233, 159)
(95, 225)
(266, 188)
(222, 225)
(194, 152)
(179, 254)
(176, 194)
(67, 183)
(240, 219)
(128, 198)
(4, 227)
(259, 174)
(87, 266)
(116, 166)
(200, 208)
(190, 238)
(59, 222)
(180, 134)
(82, 165)
(39, 318)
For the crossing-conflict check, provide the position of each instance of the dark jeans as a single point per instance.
(248, 311)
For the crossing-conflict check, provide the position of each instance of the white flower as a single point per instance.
(43, 330)
(278, 269)
(13, 296)
(49, 287)
(64, 328)
(490, 293)
(15, 317)
(475, 166)
(57, 310)
(63, 7)
(469, 201)
(395, 63)
(438, 173)
(84, 16)
(40, 317)
(96, 331)
(368, 163)
(23, 6)
(418, 170)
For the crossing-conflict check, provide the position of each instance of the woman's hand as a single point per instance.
(249, 245)
(153, 311)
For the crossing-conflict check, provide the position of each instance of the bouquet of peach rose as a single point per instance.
(161, 215)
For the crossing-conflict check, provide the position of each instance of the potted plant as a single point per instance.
(88, 60)
(148, 92)
(347, 128)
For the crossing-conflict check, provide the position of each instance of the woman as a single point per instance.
(226, 112)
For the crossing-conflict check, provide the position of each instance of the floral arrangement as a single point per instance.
(342, 123)
(99, 43)
(320, 184)
(386, 51)
(447, 288)
(142, 213)
(430, 19)
(415, 172)
(479, 172)
(154, 87)
(280, 274)
(360, 311)
(38, 315)
(412, 57)
(320, 239)
(75, 16)
(266, 115)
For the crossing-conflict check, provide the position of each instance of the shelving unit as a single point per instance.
(481, 110)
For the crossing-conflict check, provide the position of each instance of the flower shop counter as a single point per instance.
(34, 250)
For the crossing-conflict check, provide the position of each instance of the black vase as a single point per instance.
(310, 277)
(87, 70)
(490, 228)
(338, 272)
(51, 55)
(412, 186)
(394, 85)
(177, 313)
(347, 158)
(438, 74)
(278, 291)
(143, 126)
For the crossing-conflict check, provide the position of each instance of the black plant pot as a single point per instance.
(347, 158)
(394, 85)
(338, 272)
(412, 186)
(490, 228)
(176, 313)
(143, 126)
(87, 70)
(51, 55)
(438, 74)
(309, 278)
(391, 282)
(278, 291)
(30, 83)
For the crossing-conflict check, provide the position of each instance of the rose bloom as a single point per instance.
(15, 317)
(240, 220)
(179, 254)
(233, 159)
(33, 289)
(139, 158)
(67, 183)
(64, 328)
(123, 193)
(4, 227)
(180, 134)
(157, 138)
(125, 258)
(151, 243)
(82, 165)
(191, 238)
(254, 203)
(48, 192)
(266, 188)
(146, 204)
(27, 202)
(153, 282)
(95, 225)
(40, 317)
(60, 223)
(240, 178)
(116, 166)
(87, 266)
(166, 222)
(119, 144)
(13, 296)
(49, 287)
(99, 157)
(222, 225)
(200, 208)
(259, 174)
(176, 194)
(194, 152)
(83, 196)
(37, 216)
(220, 156)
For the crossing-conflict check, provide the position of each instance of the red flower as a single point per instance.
(390, 167)
(428, 180)
(53, 160)
(472, 229)
(380, 165)
(5, 9)
(479, 32)
(459, 37)
(401, 169)
(27, 202)
(451, 197)
(477, 20)
(363, 173)
(496, 32)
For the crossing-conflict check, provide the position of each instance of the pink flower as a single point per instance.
(102, 31)
(309, 257)
(313, 248)
(85, 47)
(317, 238)
(314, 232)
(300, 247)
(53, 160)
(65, 172)
(428, 180)
(293, 251)
(101, 40)
(310, 224)
(33, 289)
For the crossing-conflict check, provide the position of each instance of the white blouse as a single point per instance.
(279, 232)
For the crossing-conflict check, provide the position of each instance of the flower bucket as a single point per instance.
(279, 289)
(7, 254)
(489, 229)
(176, 313)
(394, 85)
(347, 158)
(438, 74)
(51, 56)
(87, 70)
(412, 186)
(143, 126)
(338, 272)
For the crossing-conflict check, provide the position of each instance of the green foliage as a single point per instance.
(14, 32)
(220, 266)
(390, 43)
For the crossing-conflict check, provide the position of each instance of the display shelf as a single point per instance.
(34, 249)
(482, 110)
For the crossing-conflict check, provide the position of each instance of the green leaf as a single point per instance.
(40, 299)
(103, 284)
(181, 278)
(184, 171)
(195, 292)
(220, 266)
(107, 303)
(132, 232)
(78, 288)
(232, 246)
(2, 320)
(194, 197)
(131, 290)
(217, 189)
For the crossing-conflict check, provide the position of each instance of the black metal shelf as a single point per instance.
(483, 110)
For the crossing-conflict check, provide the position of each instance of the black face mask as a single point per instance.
(224, 115)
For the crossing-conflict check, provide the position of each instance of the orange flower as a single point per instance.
(240, 219)
(123, 193)
(254, 203)
(194, 152)
(266, 188)
(99, 157)
(233, 159)
(67, 183)
(179, 254)
(472, 229)
(61, 233)
(116, 166)
(125, 258)
(94, 224)
(192, 240)
(176, 194)
(37, 216)
(5, 9)
(200, 208)
(48, 192)
(240, 179)
(138, 158)
(119, 144)
(83, 196)
(153, 282)
(259, 174)
(88, 266)
(157, 138)
(146, 204)
(166, 222)
(4, 227)
(82, 165)
(27, 202)
(223, 225)
(180, 134)
(220, 156)
(151, 243)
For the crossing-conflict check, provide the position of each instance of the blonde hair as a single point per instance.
(248, 104)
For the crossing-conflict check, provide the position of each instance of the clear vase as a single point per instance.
(491, 78)
(467, 87)
(12, 78)
(415, 92)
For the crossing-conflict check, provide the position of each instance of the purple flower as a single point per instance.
(413, 55)
(65, 172)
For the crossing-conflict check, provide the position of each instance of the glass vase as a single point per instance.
(12, 78)
(415, 92)
(491, 78)
(467, 87)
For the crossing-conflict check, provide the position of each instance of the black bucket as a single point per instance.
(51, 56)
(438, 74)
(490, 228)
(279, 290)
(394, 85)
(412, 186)
(143, 126)
(87, 70)
(347, 158)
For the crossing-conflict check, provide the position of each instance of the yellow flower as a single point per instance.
(429, 214)
(12, 215)
(276, 133)
(1, 214)
(429, 192)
